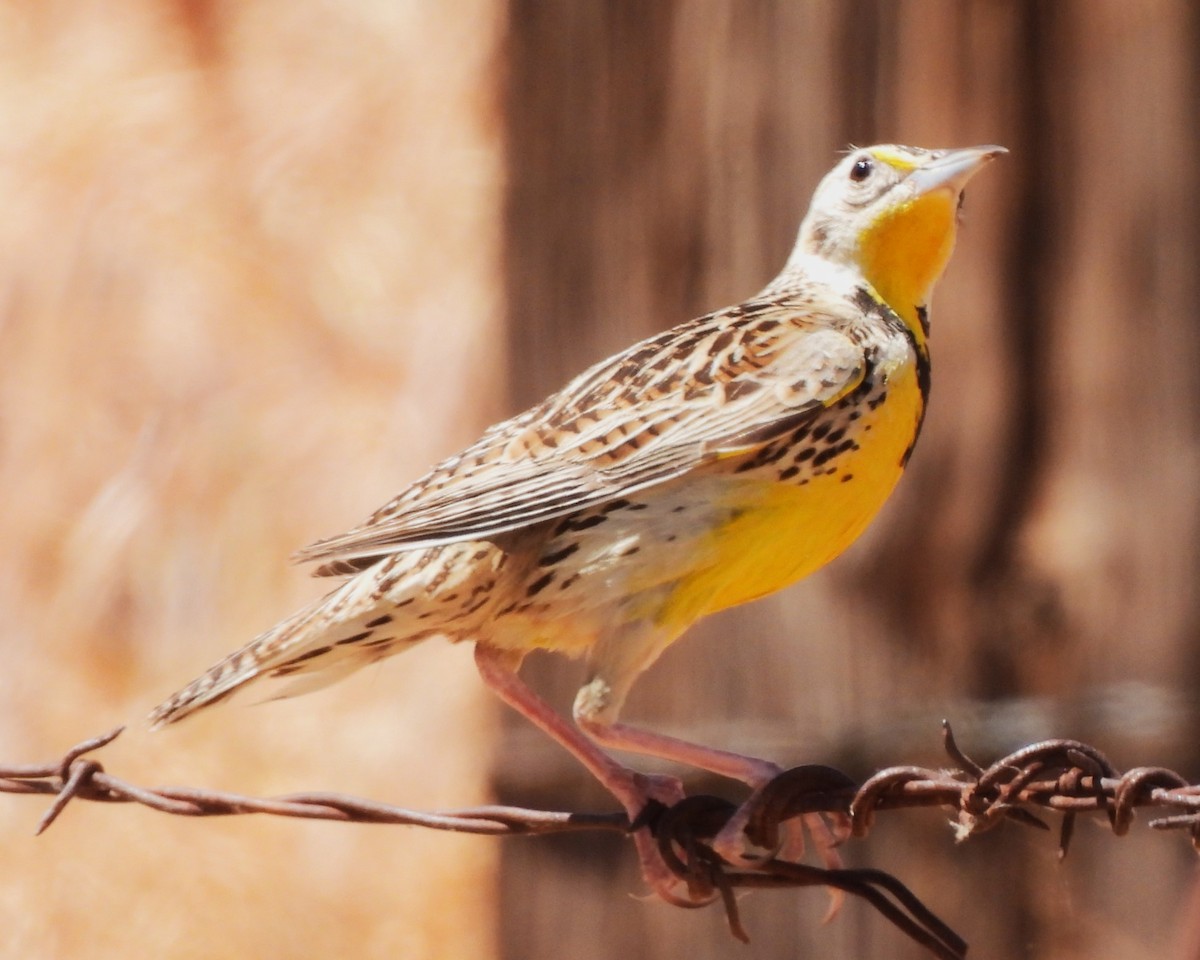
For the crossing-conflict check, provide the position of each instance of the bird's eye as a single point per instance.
(861, 170)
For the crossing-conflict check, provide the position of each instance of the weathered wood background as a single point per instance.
(264, 262)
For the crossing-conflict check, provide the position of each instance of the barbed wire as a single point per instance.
(1062, 776)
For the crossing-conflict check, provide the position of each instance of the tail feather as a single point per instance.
(398, 601)
(318, 645)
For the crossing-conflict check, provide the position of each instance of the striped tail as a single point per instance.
(336, 635)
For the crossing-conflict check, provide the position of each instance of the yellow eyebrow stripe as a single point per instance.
(893, 159)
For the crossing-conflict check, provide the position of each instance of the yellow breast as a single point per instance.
(783, 530)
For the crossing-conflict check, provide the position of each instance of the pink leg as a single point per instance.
(735, 766)
(632, 790)
(615, 662)
(730, 843)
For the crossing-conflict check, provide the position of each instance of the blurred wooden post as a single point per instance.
(1044, 540)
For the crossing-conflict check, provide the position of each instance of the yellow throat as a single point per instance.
(904, 252)
(904, 247)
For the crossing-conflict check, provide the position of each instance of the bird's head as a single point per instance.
(890, 212)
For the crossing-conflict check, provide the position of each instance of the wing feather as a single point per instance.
(630, 423)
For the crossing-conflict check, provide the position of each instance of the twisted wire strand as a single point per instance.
(1058, 776)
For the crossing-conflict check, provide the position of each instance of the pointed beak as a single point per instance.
(952, 170)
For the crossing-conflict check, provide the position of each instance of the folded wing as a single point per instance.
(721, 386)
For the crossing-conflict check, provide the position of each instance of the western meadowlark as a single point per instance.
(701, 468)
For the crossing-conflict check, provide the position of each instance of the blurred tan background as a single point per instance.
(261, 263)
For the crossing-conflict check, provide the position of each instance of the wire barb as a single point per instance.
(1063, 776)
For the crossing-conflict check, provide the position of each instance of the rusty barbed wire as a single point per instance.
(1060, 776)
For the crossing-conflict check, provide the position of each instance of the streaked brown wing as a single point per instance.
(720, 386)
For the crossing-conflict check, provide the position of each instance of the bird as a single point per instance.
(701, 468)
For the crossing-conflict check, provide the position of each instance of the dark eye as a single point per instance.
(861, 170)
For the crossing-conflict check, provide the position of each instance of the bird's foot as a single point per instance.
(733, 845)
(738, 846)
(659, 794)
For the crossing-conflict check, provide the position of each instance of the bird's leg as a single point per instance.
(632, 790)
(596, 707)
(621, 736)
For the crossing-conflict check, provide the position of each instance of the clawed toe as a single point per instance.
(664, 881)
(667, 868)
(827, 831)
(737, 846)
(684, 868)
(734, 847)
